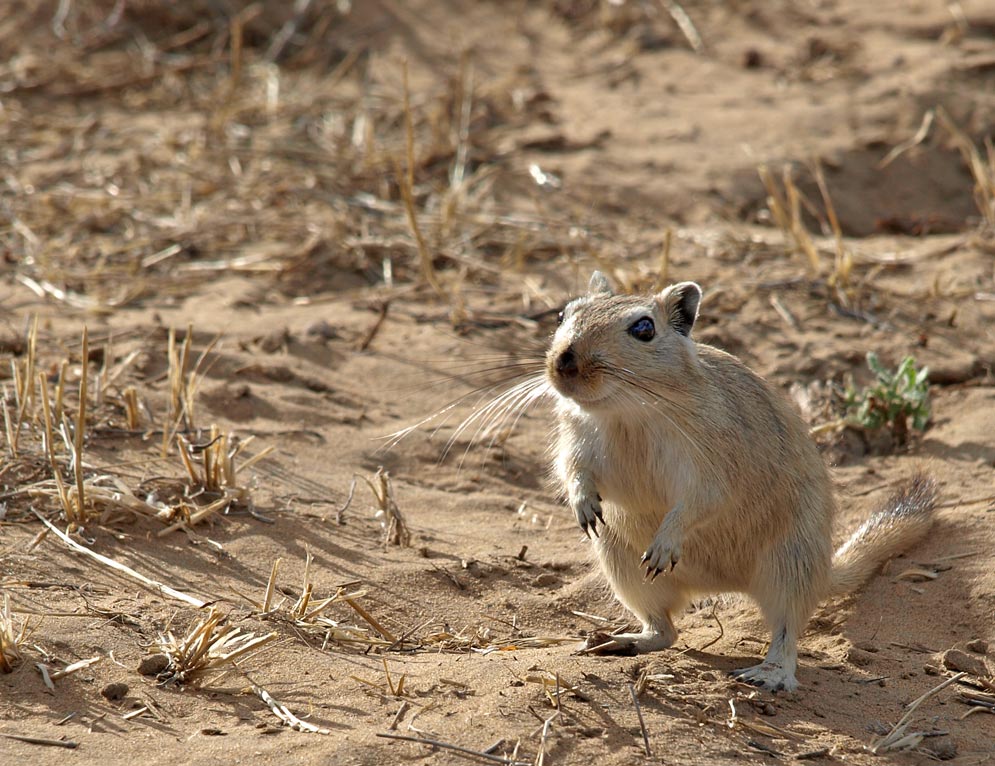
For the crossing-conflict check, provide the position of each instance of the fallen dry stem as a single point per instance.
(75, 667)
(66, 743)
(280, 711)
(897, 738)
(370, 619)
(455, 748)
(684, 23)
(639, 715)
(119, 567)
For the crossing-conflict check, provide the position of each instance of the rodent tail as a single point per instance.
(904, 519)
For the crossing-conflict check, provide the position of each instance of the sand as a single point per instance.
(246, 176)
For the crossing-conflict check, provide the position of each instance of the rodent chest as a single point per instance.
(637, 468)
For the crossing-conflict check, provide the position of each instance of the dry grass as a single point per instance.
(301, 176)
(395, 528)
(45, 434)
(788, 206)
(785, 204)
(980, 162)
(208, 652)
(307, 614)
(310, 616)
(12, 637)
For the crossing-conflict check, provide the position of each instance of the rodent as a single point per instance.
(693, 476)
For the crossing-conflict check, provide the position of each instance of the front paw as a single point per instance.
(662, 556)
(588, 510)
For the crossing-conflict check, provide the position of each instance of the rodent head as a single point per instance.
(609, 347)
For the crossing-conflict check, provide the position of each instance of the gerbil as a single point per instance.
(694, 476)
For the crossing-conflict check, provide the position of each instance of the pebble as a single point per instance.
(545, 579)
(978, 646)
(961, 661)
(322, 329)
(153, 665)
(275, 341)
(868, 646)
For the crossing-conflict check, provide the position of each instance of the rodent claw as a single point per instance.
(590, 528)
(588, 514)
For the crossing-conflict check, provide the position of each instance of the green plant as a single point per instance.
(893, 399)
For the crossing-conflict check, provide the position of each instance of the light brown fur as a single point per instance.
(696, 477)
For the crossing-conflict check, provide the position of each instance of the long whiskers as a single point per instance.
(491, 418)
(522, 374)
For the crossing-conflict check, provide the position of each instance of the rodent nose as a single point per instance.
(566, 363)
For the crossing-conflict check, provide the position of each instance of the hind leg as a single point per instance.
(787, 590)
(653, 602)
(777, 671)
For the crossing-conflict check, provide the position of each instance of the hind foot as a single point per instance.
(625, 644)
(768, 675)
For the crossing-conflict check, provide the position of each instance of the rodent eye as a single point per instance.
(559, 319)
(643, 329)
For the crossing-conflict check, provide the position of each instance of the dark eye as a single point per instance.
(559, 319)
(643, 329)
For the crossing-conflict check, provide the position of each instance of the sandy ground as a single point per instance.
(591, 130)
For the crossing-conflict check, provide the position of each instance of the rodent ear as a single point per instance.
(599, 284)
(679, 303)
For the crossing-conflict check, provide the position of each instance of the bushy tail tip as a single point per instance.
(905, 519)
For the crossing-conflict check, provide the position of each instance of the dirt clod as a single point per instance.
(114, 691)
(859, 657)
(943, 748)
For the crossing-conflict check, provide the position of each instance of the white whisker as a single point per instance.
(486, 416)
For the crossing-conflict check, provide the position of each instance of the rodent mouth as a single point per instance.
(578, 390)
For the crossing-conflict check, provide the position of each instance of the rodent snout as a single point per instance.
(566, 363)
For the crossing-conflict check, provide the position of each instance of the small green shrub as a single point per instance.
(895, 399)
